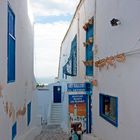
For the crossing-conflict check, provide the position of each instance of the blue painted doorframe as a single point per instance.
(88, 107)
(57, 94)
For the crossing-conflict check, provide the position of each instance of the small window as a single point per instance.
(11, 46)
(109, 108)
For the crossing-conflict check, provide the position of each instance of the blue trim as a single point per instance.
(107, 118)
(70, 68)
(90, 115)
(11, 46)
(88, 88)
(87, 114)
(89, 52)
(29, 114)
(14, 130)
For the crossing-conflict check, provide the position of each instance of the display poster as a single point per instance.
(77, 111)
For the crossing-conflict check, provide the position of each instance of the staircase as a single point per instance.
(55, 114)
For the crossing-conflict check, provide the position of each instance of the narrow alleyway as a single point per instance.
(52, 132)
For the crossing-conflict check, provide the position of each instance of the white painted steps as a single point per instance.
(56, 114)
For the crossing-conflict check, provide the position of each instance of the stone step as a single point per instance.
(56, 112)
(56, 115)
(56, 104)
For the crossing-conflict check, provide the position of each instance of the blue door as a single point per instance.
(57, 94)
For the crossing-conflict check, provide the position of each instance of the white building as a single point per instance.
(16, 71)
(116, 97)
(76, 34)
(76, 55)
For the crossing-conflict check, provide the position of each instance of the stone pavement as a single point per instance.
(52, 132)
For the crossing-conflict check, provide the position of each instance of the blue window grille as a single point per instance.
(70, 68)
(11, 46)
(28, 114)
(74, 56)
(109, 108)
(14, 131)
(89, 52)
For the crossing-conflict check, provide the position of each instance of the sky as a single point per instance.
(52, 19)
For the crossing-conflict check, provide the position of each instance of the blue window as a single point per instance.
(28, 114)
(74, 56)
(14, 130)
(70, 68)
(109, 108)
(11, 46)
(89, 52)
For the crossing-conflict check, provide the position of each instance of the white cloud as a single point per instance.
(48, 39)
(53, 7)
(48, 36)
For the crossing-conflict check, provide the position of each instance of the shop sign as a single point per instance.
(76, 87)
(74, 99)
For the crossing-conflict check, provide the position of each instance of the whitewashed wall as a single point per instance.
(20, 91)
(122, 81)
(83, 13)
(66, 47)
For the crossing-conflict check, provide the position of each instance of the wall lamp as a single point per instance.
(115, 22)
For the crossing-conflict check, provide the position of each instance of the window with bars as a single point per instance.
(70, 68)
(11, 46)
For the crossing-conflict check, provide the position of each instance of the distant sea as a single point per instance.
(46, 81)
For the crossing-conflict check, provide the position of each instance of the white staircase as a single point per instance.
(55, 114)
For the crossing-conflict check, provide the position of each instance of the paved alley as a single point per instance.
(52, 133)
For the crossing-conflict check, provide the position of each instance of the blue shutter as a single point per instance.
(70, 68)
(89, 52)
(29, 114)
(11, 46)
(14, 131)
(74, 56)
(11, 60)
(11, 22)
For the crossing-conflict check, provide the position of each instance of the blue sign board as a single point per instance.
(77, 98)
(76, 87)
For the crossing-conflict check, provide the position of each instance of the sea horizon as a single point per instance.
(46, 80)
